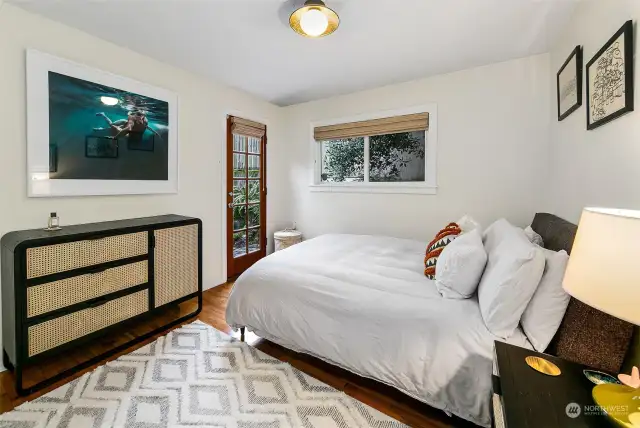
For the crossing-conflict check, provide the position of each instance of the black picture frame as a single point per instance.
(625, 31)
(142, 144)
(577, 54)
(107, 149)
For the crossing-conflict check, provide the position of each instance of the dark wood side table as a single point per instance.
(529, 399)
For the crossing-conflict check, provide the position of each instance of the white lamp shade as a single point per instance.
(604, 267)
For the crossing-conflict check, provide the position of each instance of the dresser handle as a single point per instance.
(98, 302)
(97, 270)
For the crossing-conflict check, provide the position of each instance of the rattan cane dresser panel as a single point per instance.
(57, 258)
(66, 292)
(176, 263)
(58, 331)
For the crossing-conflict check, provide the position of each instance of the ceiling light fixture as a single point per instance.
(314, 19)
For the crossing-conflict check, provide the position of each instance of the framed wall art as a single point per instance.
(610, 79)
(96, 121)
(569, 84)
(101, 147)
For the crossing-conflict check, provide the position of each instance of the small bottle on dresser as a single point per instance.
(54, 222)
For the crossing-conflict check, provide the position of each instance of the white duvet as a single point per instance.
(364, 304)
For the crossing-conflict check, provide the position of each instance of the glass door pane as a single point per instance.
(253, 215)
(239, 244)
(239, 192)
(254, 240)
(254, 145)
(254, 166)
(239, 217)
(254, 191)
(239, 165)
(239, 143)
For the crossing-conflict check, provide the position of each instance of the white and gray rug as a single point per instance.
(196, 376)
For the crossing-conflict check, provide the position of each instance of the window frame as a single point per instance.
(427, 187)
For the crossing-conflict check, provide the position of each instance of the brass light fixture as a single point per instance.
(314, 19)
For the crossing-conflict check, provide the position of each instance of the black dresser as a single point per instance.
(61, 289)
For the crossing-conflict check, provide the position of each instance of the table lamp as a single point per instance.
(604, 273)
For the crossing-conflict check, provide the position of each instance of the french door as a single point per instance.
(246, 194)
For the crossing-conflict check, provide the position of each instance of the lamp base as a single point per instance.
(621, 403)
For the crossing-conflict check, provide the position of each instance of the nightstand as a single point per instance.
(525, 398)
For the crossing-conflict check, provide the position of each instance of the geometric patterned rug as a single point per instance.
(196, 376)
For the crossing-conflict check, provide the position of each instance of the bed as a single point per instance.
(364, 304)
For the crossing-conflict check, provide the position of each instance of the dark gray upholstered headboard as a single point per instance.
(586, 335)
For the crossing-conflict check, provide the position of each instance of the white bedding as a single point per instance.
(364, 304)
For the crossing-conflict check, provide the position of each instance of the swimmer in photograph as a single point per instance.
(134, 126)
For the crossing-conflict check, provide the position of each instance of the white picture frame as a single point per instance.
(42, 182)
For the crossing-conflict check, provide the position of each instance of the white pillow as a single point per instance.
(545, 311)
(460, 266)
(514, 268)
(533, 236)
(468, 223)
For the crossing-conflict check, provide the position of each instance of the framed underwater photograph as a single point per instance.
(111, 135)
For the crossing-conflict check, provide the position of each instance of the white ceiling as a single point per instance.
(248, 44)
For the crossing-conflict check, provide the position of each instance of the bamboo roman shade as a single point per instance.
(247, 127)
(387, 125)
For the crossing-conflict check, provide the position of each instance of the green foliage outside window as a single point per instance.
(343, 159)
(388, 154)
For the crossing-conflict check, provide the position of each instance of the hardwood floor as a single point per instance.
(384, 398)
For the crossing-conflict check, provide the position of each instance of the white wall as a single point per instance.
(599, 167)
(492, 152)
(202, 110)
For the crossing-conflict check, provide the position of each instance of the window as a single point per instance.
(343, 160)
(387, 158)
(388, 154)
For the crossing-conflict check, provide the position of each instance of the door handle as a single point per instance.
(230, 205)
(231, 194)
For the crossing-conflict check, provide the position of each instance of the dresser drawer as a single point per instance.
(58, 258)
(58, 331)
(69, 291)
(176, 263)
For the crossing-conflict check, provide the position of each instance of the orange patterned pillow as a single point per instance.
(435, 247)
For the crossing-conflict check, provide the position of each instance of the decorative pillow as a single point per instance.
(460, 266)
(533, 236)
(545, 311)
(435, 247)
(514, 268)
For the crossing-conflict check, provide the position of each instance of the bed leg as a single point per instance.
(242, 334)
